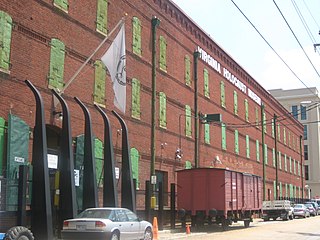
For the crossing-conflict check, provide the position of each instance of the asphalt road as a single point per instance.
(297, 229)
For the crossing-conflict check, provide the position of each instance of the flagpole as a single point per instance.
(88, 59)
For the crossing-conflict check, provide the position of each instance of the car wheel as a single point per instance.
(19, 233)
(148, 234)
(115, 235)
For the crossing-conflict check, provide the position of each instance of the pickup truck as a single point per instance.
(277, 209)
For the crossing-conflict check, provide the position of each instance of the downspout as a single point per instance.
(196, 55)
(263, 153)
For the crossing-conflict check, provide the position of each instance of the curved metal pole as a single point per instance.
(110, 193)
(67, 202)
(127, 190)
(41, 211)
(90, 193)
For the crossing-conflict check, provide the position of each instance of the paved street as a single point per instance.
(297, 229)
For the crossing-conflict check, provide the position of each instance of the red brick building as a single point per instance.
(47, 41)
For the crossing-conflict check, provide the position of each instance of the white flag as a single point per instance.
(115, 61)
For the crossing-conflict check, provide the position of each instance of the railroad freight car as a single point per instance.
(215, 195)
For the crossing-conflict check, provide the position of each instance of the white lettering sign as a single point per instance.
(52, 161)
(19, 159)
(76, 177)
(117, 172)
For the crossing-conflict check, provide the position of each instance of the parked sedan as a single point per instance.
(107, 223)
(316, 207)
(312, 210)
(300, 210)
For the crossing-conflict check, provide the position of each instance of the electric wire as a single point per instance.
(311, 14)
(270, 46)
(296, 38)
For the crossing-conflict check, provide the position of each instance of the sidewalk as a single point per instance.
(174, 234)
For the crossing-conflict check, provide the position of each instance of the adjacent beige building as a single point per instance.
(303, 103)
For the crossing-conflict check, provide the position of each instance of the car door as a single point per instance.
(123, 224)
(134, 225)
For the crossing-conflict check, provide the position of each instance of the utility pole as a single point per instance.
(263, 152)
(276, 153)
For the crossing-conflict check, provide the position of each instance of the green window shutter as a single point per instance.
(222, 95)
(272, 127)
(273, 157)
(236, 141)
(274, 190)
(135, 109)
(188, 121)
(285, 163)
(99, 83)
(284, 136)
(102, 19)
(188, 165)
(246, 107)
(98, 154)
(279, 133)
(289, 138)
(294, 167)
(280, 189)
(279, 161)
(264, 122)
(298, 168)
(265, 154)
(257, 117)
(248, 146)
(135, 156)
(223, 136)
(57, 55)
(136, 36)
(163, 110)
(61, 4)
(206, 83)
(187, 73)
(5, 41)
(286, 188)
(163, 54)
(207, 133)
(258, 150)
(2, 141)
(235, 102)
(290, 164)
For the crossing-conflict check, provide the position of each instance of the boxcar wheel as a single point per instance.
(246, 223)
(19, 233)
(224, 224)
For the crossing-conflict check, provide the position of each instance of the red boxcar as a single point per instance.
(218, 195)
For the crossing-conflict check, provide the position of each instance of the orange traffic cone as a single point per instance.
(155, 228)
(187, 229)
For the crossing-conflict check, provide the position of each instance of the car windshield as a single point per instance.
(298, 206)
(95, 213)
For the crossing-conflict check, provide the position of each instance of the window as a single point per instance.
(135, 99)
(306, 172)
(223, 136)
(188, 165)
(265, 154)
(5, 41)
(207, 133)
(303, 110)
(187, 73)
(285, 163)
(188, 121)
(246, 108)
(273, 157)
(163, 54)
(274, 190)
(264, 122)
(102, 19)
(99, 83)
(258, 150)
(206, 83)
(136, 36)
(290, 165)
(236, 141)
(294, 110)
(235, 102)
(135, 156)
(222, 95)
(257, 117)
(279, 132)
(305, 148)
(279, 161)
(61, 4)
(305, 132)
(56, 71)
(272, 127)
(298, 168)
(294, 167)
(163, 110)
(247, 146)
(284, 136)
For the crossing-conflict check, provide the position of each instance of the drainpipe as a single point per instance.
(155, 22)
(196, 55)
(302, 168)
(263, 153)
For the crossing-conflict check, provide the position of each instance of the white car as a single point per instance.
(107, 223)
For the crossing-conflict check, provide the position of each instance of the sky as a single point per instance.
(227, 26)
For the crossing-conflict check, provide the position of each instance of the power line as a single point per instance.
(311, 14)
(296, 38)
(271, 46)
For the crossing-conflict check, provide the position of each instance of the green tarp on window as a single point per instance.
(17, 154)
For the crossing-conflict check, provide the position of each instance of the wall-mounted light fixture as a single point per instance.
(57, 114)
